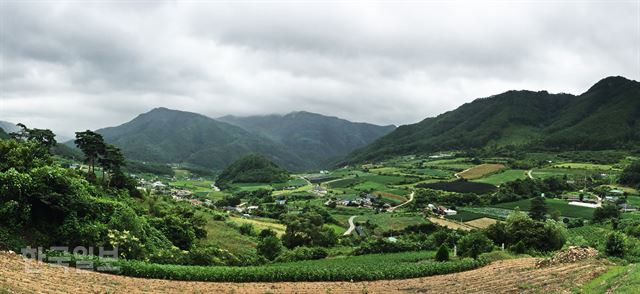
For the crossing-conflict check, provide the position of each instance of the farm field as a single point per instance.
(623, 279)
(460, 187)
(561, 205)
(481, 223)
(502, 177)
(498, 277)
(450, 224)
(260, 224)
(479, 171)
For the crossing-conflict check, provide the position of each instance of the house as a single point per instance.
(611, 198)
(616, 191)
(450, 212)
(158, 185)
(360, 231)
(281, 201)
(627, 207)
(195, 202)
(253, 207)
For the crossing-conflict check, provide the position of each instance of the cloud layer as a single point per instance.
(72, 66)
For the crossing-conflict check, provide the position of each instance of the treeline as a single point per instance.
(43, 204)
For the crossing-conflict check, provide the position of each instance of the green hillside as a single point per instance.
(252, 168)
(3, 134)
(606, 116)
(312, 136)
(170, 136)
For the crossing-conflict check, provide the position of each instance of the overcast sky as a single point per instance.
(72, 66)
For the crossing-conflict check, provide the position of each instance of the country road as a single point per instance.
(410, 199)
(529, 174)
(352, 226)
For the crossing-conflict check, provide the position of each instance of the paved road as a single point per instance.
(352, 226)
(529, 174)
(410, 199)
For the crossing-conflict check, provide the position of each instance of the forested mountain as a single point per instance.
(314, 137)
(253, 168)
(3, 134)
(8, 127)
(171, 136)
(606, 116)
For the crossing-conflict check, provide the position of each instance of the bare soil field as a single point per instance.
(507, 276)
(481, 223)
(450, 224)
(479, 171)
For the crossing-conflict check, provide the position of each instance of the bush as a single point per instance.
(606, 212)
(246, 229)
(615, 245)
(302, 253)
(518, 248)
(269, 247)
(442, 254)
(473, 244)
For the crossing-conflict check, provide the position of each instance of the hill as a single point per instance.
(3, 134)
(252, 168)
(606, 116)
(169, 136)
(8, 127)
(315, 137)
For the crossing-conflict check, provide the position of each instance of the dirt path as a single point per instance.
(352, 226)
(404, 203)
(509, 276)
(529, 174)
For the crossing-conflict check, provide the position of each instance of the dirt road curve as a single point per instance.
(352, 226)
(508, 276)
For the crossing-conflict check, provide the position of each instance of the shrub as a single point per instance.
(474, 244)
(518, 248)
(615, 245)
(442, 254)
(302, 253)
(246, 229)
(606, 212)
(269, 247)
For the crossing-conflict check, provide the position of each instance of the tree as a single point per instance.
(307, 229)
(606, 212)
(111, 161)
(269, 247)
(43, 137)
(92, 145)
(614, 246)
(442, 254)
(631, 175)
(538, 209)
(473, 244)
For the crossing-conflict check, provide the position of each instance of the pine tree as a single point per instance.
(538, 209)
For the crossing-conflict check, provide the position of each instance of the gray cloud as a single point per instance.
(71, 66)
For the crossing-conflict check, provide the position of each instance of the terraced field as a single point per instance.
(507, 276)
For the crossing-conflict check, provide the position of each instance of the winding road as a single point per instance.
(352, 226)
(404, 203)
(529, 174)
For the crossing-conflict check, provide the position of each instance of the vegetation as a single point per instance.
(356, 268)
(535, 120)
(631, 175)
(252, 168)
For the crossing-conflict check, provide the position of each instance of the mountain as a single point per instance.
(317, 138)
(170, 136)
(3, 134)
(605, 116)
(8, 127)
(252, 168)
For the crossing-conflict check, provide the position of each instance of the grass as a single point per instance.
(261, 224)
(589, 166)
(505, 176)
(465, 216)
(226, 237)
(552, 204)
(479, 171)
(350, 268)
(618, 279)
(251, 186)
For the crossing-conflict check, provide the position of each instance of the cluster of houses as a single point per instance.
(441, 210)
(367, 200)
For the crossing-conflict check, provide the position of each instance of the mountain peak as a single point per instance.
(610, 82)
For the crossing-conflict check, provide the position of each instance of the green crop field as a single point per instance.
(251, 186)
(503, 177)
(590, 166)
(491, 212)
(593, 234)
(465, 216)
(350, 268)
(558, 204)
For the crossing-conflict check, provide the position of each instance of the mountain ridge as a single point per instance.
(523, 118)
